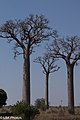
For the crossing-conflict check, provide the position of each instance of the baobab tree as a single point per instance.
(26, 34)
(48, 65)
(69, 50)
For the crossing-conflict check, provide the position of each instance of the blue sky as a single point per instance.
(64, 16)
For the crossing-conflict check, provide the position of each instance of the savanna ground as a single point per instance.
(53, 113)
(58, 113)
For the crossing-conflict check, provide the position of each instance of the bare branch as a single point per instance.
(47, 63)
(66, 48)
(27, 33)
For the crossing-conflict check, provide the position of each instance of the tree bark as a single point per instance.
(70, 82)
(26, 78)
(47, 91)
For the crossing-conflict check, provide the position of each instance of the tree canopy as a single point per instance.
(66, 48)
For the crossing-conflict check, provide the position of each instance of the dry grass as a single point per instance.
(58, 113)
(54, 113)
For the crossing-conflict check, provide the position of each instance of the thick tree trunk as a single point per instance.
(70, 69)
(26, 78)
(47, 91)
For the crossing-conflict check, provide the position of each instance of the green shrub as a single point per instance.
(25, 111)
(3, 97)
(40, 104)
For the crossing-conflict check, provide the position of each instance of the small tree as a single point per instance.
(26, 34)
(3, 97)
(69, 50)
(25, 111)
(40, 104)
(48, 66)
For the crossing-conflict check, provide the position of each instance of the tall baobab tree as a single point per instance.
(48, 65)
(69, 50)
(26, 34)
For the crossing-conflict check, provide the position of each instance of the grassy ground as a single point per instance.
(58, 113)
(55, 113)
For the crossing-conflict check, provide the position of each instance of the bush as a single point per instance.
(40, 104)
(25, 111)
(3, 97)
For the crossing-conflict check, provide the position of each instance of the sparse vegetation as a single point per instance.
(53, 113)
(58, 113)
